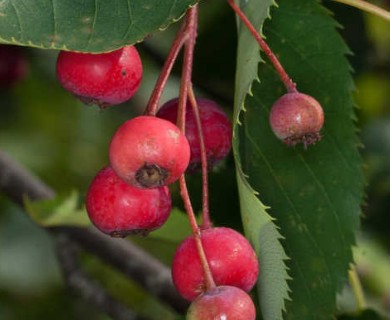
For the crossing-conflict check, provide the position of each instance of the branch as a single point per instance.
(136, 264)
(16, 182)
(82, 284)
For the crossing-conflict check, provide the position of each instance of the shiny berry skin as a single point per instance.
(232, 262)
(119, 209)
(222, 303)
(104, 79)
(216, 128)
(297, 118)
(149, 152)
(13, 65)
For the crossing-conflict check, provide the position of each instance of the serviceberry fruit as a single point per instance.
(104, 79)
(222, 303)
(149, 152)
(13, 65)
(216, 128)
(297, 118)
(119, 209)
(231, 258)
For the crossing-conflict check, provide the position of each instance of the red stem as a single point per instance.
(177, 44)
(287, 81)
(208, 276)
(206, 222)
(191, 27)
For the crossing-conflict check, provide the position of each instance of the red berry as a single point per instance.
(216, 128)
(148, 152)
(13, 65)
(222, 303)
(296, 118)
(105, 78)
(230, 256)
(119, 209)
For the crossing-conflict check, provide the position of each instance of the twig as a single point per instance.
(368, 7)
(16, 183)
(136, 264)
(82, 284)
(356, 288)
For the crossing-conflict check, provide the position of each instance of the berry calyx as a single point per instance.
(230, 256)
(222, 303)
(149, 152)
(104, 79)
(13, 65)
(119, 209)
(216, 127)
(297, 118)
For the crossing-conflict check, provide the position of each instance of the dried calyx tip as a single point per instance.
(151, 176)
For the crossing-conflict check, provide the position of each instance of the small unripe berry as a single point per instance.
(119, 209)
(104, 79)
(222, 303)
(149, 152)
(13, 65)
(297, 118)
(231, 258)
(216, 128)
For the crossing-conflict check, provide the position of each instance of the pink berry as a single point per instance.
(149, 152)
(216, 128)
(105, 79)
(13, 65)
(222, 303)
(231, 258)
(296, 118)
(119, 209)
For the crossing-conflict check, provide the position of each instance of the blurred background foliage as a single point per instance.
(65, 143)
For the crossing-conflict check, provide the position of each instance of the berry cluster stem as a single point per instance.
(287, 81)
(191, 27)
(186, 37)
(209, 280)
(177, 44)
(206, 222)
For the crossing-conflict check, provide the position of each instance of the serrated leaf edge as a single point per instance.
(241, 175)
(29, 43)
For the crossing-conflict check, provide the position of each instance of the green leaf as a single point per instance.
(313, 194)
(89, 25)
(259, 226)
(62, 210)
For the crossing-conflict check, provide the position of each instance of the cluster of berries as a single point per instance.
(148, 153)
